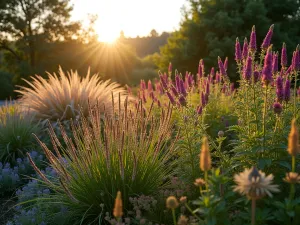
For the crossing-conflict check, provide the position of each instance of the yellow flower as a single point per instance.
(255, 184)
(172, 202)
(118, 209)
(292, 178)
(205, 160)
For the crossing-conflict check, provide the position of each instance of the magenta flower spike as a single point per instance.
(203, 101)
(182, 101)
(267, 69)
(221, 67)
(226, 63)
(256, 76)
(252, 43)
(171, 98)
(207, 88)
(202, 66)
(248, 69)
(283, 56)
(200, 70)
(238, 51)
(218, 79)
(232, 87)
(212, 71)
(275, 63)
(150, 88)
(296, 59)
(279, 89)
(245, 49)
(174, 91)
(163, 82)
(190, 80)
(199, 110)
(267, 41)
(182, 88)
(288, 71)
(287, 90)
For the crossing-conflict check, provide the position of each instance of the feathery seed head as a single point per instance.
(293, 140)
(205, 159)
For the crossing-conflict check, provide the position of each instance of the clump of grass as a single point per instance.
(66, 96)
(16, 128)
(126, 151)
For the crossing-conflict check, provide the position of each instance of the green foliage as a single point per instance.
(7, 86)
(16, 129)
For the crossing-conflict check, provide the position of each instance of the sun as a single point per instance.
(108, 32)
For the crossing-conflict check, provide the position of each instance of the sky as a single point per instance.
(134, 17)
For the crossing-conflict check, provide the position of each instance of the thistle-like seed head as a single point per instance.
(172, 202)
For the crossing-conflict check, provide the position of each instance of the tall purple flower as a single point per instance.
(279, 89)
(296, 59)
(275, 63)
(238, 51)
(283, 55)
(287, 90)
(190, 80)
(288, 71)
(150, 88)
(163, 82)
(174, 91)
(142, 85)
(207, 88)
(202, 66)
(171, 98)
(203, 99)
(232, 87)
(158, 88)
(218, 79)
(226, 63)
(182, 89)
(200, 70)
(221, 67)
(212, 72)
(182, 101)
(252, 43)
(248, 69)
(267, 69)
(267, 41)
(199, 110)
(245, 49)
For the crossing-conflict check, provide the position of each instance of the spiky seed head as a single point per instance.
(293, 140)
(118, 209)
(183, 220)
(292, 178)
(172, 202)
(205, 159)
(254, 183)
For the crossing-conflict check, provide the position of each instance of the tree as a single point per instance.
(209, 29)
(25, 24)
(153, 33)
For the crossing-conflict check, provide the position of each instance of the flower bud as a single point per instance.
(293, 140)
(205, 159)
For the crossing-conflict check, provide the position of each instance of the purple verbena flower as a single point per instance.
(279, 89)
(182, 89)
(267, 41)
(238, 52)
(252, 43)
(256, 76)
(288, 71)
(296, 59)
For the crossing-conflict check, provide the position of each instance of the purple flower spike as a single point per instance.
(287, 90)
(142, 85)
(177, 82)
(207, 88)
(203, 101)
(182, 89)
(279, 89)
(226, 63)
(212, 72)
(170, 68)
(218, 79)
(200, 70)
(221, 67)
(267, 41)
(174, 91)
(283, 56)
(202, 66)
(191, 80)
(252, 44)
(245, 49)
(163, 82)
(232, 87)
(150, 88)
(267, 69)
(275, 63)
(256, 76)
(238, 52)
(288, 71)
(171, 98)
(296, 59)
(277, 107)
(248, 69)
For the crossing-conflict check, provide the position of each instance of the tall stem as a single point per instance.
(264, 118)
(206, 181)
(292, 192)
(253, 208)
(174, 217)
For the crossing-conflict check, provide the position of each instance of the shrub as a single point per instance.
(16, 128)
(127, 151)
(67, 96)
